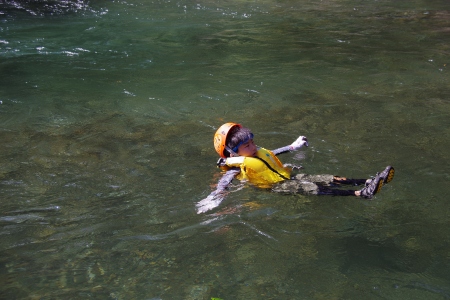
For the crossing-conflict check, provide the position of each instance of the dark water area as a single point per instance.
(107, 113)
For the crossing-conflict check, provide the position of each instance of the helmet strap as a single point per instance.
(231, 151)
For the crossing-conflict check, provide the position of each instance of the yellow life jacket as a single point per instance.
(263, 170)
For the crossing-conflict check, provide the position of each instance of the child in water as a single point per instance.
(242, 159)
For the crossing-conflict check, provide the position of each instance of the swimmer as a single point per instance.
(243, 160)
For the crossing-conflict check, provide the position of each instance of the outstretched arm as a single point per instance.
(299, 142)
(282, 150)
(218, 195)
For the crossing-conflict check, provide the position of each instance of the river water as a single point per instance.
(106, 123)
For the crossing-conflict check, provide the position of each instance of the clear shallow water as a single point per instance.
(106, 123)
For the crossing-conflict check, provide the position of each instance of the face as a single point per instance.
(247, 149)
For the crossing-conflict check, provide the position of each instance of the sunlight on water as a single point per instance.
(107, 114)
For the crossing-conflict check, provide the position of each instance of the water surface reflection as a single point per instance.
(106, 122)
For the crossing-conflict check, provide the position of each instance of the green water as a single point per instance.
(106, 124)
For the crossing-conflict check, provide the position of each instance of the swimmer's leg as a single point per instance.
(387, 174)
(348, 181)
(367, 191)
(335, 192)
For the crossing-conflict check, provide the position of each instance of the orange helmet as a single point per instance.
(220, 137)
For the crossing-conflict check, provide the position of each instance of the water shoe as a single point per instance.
(387, 175)
(373, 187)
